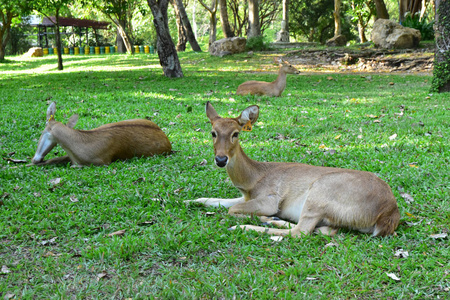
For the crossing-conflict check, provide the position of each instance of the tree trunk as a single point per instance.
(187, 26)
(58, 41)
(4, 33)
(182, 38)
(382, 12)
(212, 20)
(254, 28)
(121, 26)
(226, 28)
(120, 43)
(337, 17)
(362, 31)
(283, 34)
(167, 53)
(441, 72)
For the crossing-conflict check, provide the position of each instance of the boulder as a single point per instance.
(389, 34)
(35, 52)
(228, 46)
(339, 40)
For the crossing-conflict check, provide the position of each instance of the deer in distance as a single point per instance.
(273, 89)
(102, 145)
(297, 198)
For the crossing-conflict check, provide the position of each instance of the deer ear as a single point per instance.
(72, 121)
(211, 112)
(249, 115)
(51, 110)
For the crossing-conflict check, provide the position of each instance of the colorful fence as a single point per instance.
(97, 50)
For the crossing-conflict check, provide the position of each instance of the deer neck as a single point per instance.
(67, 137)
(244, 172)
(280, 82)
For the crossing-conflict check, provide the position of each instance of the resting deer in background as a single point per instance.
(274, 88)
(102, 145)
(311, 197)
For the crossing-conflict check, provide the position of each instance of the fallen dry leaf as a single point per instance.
(120, 232)
(401, 253)
(5, 270)
(408, 198)
(439, 236)
(16, 161)
(331, 245)
(50, 241)
(8, 296)
(393, 276)
(276, 238)
(55, 181)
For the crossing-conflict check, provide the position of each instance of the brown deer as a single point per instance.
(273, 89)
(312, 197)
(102, 145)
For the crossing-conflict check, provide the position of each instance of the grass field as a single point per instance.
(56, 222)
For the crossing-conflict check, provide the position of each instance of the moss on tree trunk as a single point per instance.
(441, 73)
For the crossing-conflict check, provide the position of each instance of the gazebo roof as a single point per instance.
(49, 22)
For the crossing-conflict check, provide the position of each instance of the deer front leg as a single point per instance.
(259, 207)
(216, 202)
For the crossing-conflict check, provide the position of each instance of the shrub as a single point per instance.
(425, 27)
(257, 43)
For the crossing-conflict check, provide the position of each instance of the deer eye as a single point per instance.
(235, 135)
(213, 134)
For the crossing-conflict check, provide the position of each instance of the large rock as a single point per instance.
(339, 40)
(35, 52)
(389, 34)
(228, 46)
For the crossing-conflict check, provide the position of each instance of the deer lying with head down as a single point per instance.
(274, 88)
(320, 198)
(102, 145)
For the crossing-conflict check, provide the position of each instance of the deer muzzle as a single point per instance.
(221, 161)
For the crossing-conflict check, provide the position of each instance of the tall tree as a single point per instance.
(182, 35)
(361, 12)
(226, 28)
(240, 20)
(165, 47)
(180, 7)
(337, 17)
(212, 19)
(413, 7)
(55, 8)
(120, 12)
(9, 9)
(284, 32)
(254, 27)
(441, 72)
(382, 12)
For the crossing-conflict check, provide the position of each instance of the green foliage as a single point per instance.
(441, 72)
(21, 36)
(257, 43)
(54, 238)
(312, 19)
(424, 26)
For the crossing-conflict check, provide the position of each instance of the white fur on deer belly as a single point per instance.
(291, 211)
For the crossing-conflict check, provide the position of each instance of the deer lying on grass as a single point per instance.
(102, 145)
(274, 88)
(312, 197)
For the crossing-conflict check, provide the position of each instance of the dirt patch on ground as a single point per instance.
(363, 61)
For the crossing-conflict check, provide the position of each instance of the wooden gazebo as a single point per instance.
(79, 26)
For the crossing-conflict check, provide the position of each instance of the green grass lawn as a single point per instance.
(55, 240)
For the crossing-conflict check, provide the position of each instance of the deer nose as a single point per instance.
(221, 161)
